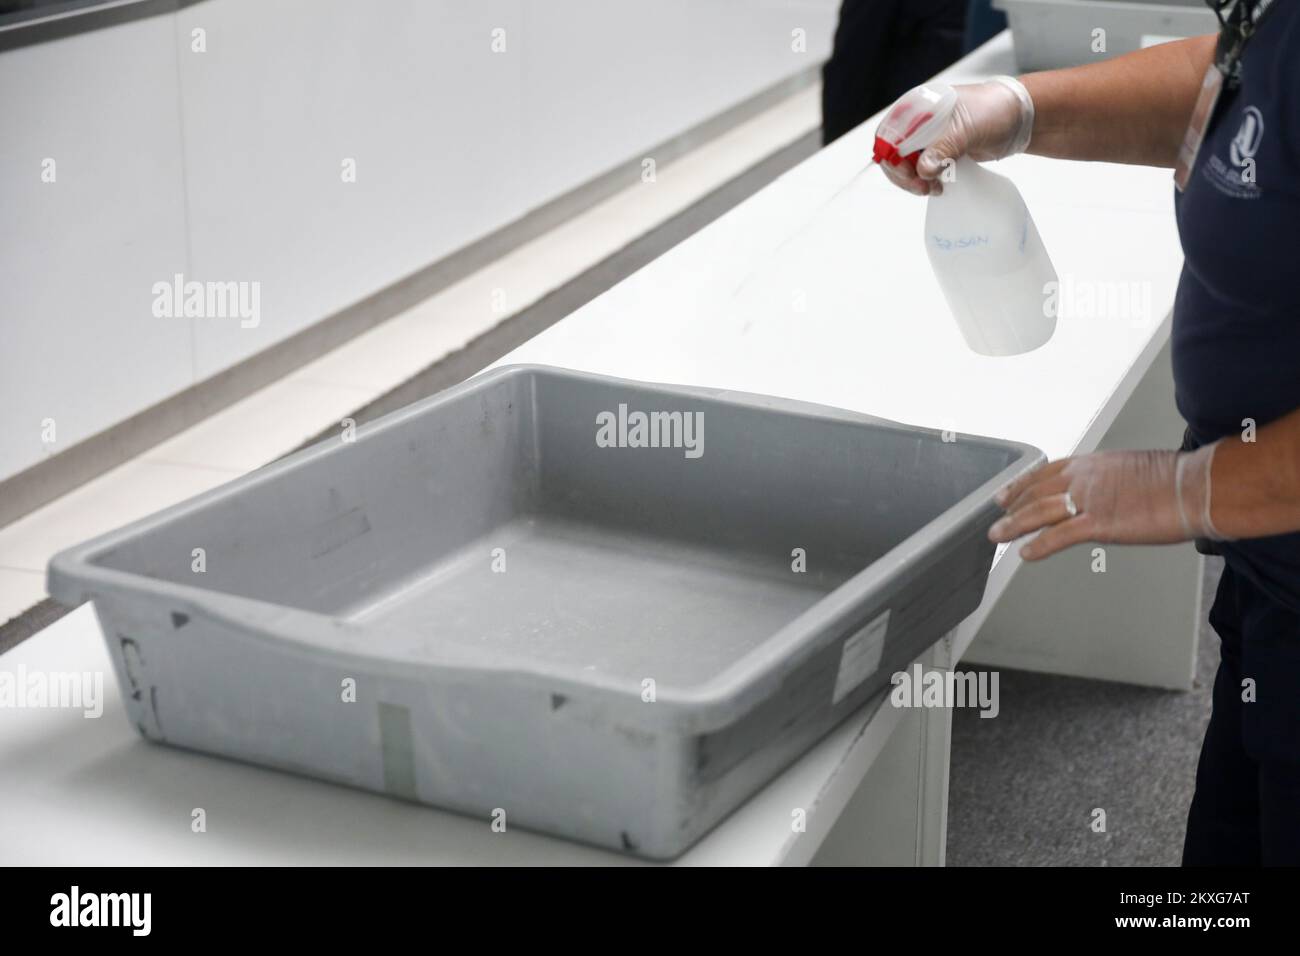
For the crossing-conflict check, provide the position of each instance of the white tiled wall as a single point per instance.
(225, 164)
(79, 255)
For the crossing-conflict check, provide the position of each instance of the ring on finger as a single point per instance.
(1071, 509)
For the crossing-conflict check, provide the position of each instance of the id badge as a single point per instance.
(1211, 87)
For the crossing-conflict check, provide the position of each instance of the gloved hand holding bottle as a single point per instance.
(989, 121)
(982, 242)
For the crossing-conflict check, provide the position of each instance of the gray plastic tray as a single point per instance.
(1049, 34)
(607, 643)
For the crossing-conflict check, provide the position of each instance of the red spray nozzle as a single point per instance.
(913, 123)
(887, 152)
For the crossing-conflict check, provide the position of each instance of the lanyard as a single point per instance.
(1238, 21)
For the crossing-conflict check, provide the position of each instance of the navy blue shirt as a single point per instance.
(1236, 326)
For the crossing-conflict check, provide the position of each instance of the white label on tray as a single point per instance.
(861, 656)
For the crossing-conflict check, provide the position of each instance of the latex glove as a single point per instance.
(991, 120)
(1120, 497)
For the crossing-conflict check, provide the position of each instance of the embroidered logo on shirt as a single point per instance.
(1236, 176)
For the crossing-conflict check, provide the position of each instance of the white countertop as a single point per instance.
(787, 295)
(875, 334)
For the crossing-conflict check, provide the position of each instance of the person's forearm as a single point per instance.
(1256, 484)
(1132, 109)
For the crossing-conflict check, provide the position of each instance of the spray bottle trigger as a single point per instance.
(887, 152)
(913, 123)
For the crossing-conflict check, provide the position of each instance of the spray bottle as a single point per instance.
(981, 240)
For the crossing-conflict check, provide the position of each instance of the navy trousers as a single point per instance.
(1246, 809)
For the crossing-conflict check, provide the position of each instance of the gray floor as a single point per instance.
(1024, 786)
